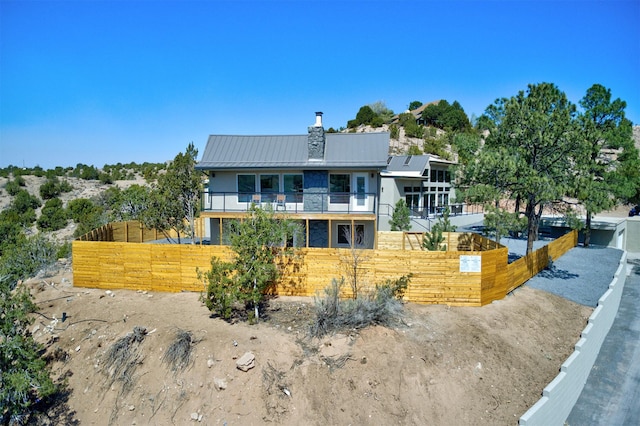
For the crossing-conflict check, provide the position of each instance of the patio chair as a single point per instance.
(281, 201)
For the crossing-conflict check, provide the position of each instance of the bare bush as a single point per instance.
(178, 354)
(381, 306)
(123, 357)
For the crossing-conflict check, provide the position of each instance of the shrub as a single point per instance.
(414, 130)
(221, 290)
(86, 214)
(395, 132)
(23, 201)
(24, 375)
(382, 306)
(53, 216)
(26, 258)
(50, 189)
(178, 354)
(10, 232)
(12, 187)
(414, 150)
(123, 357)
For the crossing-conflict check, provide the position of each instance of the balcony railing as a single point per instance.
(291, 202)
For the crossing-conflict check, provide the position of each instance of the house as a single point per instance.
(423, 181)
(329, 182)
(417, 113)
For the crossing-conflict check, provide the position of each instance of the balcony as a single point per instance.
(291, 202)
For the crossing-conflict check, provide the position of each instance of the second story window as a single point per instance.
(339, 188)
(293, 187)
(246, 187)
(269, 187)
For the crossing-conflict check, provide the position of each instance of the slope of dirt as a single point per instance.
(481, 366)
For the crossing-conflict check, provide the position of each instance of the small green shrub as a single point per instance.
(395, 132)
(26, 258)
(24, 376)
(49, 189)
(12, 187)
(23, 201)
(53, 216)
(221, 290)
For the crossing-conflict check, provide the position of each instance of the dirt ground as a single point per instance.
(447, 365)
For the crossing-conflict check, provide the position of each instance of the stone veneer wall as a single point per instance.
(318, 233)
(316, 143)
(316, 188)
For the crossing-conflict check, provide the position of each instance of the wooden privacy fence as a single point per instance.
(133, 231)
(472, 277)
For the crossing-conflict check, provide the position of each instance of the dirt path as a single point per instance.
(446, 366)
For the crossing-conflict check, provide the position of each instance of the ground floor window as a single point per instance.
(344, 235)
(412, 197)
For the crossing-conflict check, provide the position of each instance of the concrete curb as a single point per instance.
(559, 396)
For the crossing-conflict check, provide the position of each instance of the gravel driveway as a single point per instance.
(581, 275)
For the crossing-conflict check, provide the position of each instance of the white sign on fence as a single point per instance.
(470, 263)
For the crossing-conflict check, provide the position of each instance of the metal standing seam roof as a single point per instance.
(399, 166)
(342, 150)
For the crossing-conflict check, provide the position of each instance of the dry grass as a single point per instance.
(178, 354)
(123, 357)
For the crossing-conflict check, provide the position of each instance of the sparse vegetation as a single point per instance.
(178, 354)
(24, 377)
(380, 306)
(123, 357)
(26, 257)
(53, 187)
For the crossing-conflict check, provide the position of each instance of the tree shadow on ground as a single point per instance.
(635, 268)
(512, 257)
(55, 410)
(556, 273)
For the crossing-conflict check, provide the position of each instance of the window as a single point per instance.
(246, 187)
(413, 201)
(293, 187)
(339, 188)
(269, 186)
(344, 235)
(412, 198)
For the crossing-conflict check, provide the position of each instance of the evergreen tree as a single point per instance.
(609, 168)
(530, 154)
(175, 202)
(400, 220)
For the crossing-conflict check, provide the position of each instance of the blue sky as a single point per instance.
(102, 82)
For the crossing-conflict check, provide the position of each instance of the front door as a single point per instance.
(361, 186)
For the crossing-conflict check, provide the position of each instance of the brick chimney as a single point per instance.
(316, 139)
